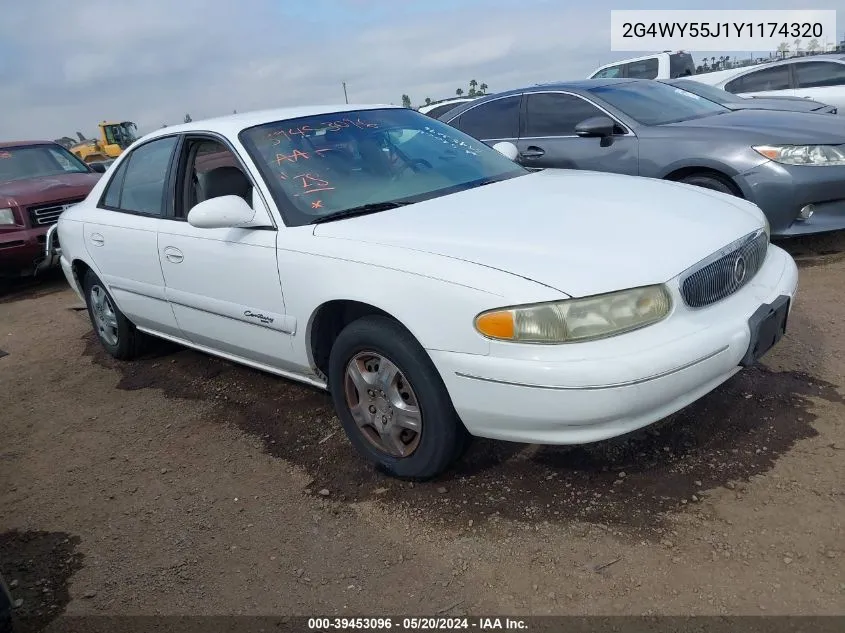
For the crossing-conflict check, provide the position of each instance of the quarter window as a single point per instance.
(776, 78)
(611, 72)
(138, 185)
(556, 114)
(498, 119)
(820, 74)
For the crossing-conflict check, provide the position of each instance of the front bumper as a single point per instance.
(782, 190)
(28, 251)
(586, 392)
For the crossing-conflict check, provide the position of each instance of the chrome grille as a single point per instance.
(724, 272)
(46, 214)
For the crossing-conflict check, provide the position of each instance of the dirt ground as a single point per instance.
(183, 484)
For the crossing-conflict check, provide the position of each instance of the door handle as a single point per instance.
(97, 239)
(173, 255)
(533, 152)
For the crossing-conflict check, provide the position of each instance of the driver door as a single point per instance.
(547, 137)
(223, 284)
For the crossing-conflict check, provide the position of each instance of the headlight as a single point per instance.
(7, 217)
(803, 154)
(767, 227)
(575, 320)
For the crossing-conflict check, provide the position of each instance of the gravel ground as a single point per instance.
(183, 484)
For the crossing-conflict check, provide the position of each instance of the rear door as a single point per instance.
(548, 138)
(122, 242)
(822, 80)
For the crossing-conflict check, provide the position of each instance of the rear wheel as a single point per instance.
(117, 334)
(391, 400)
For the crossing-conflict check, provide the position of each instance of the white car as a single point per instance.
(436, 109)
(436, 288)
(818, 77)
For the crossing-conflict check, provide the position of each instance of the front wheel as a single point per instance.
(707, 181)
(391, 400)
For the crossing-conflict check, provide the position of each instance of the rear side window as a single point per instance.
(776, 78)
(138, 185)
(441, 110)
(643, 69)
(556, 114)
(611, 72)
(498, 119)
(819, 74)
(681, 64)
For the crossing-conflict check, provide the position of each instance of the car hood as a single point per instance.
(578, 232)
(47, 188)
(782, 105)
(771, 126)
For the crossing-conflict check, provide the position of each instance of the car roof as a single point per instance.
(231, 124)
(575, 85)
(10, 144)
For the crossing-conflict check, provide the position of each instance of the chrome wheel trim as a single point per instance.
(383, 404)
(105, 317)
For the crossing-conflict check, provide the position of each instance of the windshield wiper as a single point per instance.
(364, 209)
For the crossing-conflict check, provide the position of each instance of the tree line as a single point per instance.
(475, 90)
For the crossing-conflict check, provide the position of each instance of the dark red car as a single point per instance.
(38, 181)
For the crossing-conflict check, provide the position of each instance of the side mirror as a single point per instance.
(98, 167)
(601, 126)
(507, 149)
(226, 212)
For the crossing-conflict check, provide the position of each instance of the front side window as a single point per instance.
(37, 161)
(776, 78)
(211, 171)
(556, 114)
(319, 166)
(820, 74)
(497, 119)
(138, 184)
(656, 103)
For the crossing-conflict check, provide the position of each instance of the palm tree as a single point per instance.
(482, 89)
(428, 100)
(783, 48)
(797, 43)
(727, 60)
(473, 84)
(459, 91)
(812, 45)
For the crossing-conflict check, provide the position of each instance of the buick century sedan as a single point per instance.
(434, 287)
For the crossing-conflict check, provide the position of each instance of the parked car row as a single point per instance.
(790, 164)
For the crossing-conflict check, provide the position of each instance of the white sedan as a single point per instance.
(436, 288)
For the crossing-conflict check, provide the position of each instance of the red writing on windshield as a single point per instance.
(332, 126)
(5, 154)
(312, 184)
(280, 158)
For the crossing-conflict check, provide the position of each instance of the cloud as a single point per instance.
(153, 61)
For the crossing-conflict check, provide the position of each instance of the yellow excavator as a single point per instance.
(114, 138)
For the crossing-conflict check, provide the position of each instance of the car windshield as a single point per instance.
(36, 161)
(368, 160)
(708, 92)
(655, 103)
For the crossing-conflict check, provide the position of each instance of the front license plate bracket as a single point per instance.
(767, 326)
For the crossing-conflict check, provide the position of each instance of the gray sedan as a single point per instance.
(791, 164)
(735, 102)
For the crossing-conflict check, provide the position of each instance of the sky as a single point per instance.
(65, 66)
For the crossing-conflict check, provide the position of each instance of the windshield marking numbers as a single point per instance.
(317, 204)
(312, 184)
(5, 154)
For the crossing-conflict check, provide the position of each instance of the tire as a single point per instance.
(121, 340)
(707, 181)
(366, 344)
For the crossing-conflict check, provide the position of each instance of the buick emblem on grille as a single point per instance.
(740, 269)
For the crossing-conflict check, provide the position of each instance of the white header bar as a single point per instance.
(720, 30)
